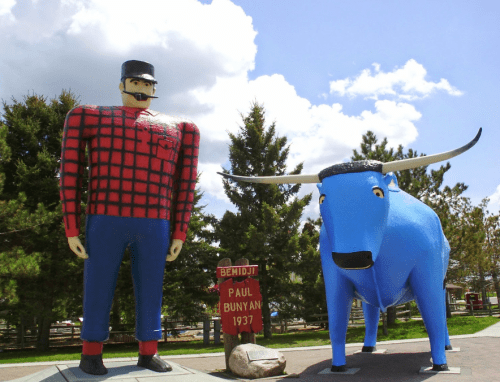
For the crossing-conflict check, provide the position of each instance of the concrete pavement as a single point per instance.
(478, 360)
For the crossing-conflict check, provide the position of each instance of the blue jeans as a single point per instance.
(106, 239)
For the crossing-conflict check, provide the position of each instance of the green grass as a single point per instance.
(401, 330)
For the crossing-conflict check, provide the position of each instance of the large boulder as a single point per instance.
(254, 361)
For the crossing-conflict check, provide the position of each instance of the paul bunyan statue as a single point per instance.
(138, 159)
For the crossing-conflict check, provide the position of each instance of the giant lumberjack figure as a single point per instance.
(138, 158)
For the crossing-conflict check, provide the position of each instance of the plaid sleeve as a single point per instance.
(72, 167)
(186, 182)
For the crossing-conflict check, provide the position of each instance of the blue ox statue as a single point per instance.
(380, 245)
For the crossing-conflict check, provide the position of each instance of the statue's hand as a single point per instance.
(77, 247)
(175, 249)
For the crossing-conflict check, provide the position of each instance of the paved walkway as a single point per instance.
(478, 360)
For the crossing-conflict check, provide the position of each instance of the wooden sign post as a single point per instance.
(240, 303)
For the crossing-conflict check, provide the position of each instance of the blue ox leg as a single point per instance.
(339, 296)
(427, 286)
(372, 316)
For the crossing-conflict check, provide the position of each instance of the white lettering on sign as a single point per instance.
(240, 292)
(237, 306)
(237, 271)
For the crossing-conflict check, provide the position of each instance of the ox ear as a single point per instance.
(319, 186)
(392, 182)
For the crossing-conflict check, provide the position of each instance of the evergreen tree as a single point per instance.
(419, 183)
(39, 275)
(309, 270)
(265, 228)
(188, 279)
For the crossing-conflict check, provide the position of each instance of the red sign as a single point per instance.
(240, 306)
(239, 271)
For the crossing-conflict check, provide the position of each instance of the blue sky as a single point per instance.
(424, 74)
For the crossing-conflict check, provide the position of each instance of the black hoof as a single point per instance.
(442, 367)
(339, 369)
(448, 347)
(92, 364)
(154, 363)
(368, 349)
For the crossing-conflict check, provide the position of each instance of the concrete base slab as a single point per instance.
(428, 370)
(119, 372)
(351, 371)
(379, 351)
(52, 374)
(454, 350)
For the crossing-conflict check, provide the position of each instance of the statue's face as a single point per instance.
(135, 85)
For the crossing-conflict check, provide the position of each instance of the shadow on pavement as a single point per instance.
(376, 367)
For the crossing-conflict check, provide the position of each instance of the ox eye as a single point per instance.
(321, 199)
(378, 192)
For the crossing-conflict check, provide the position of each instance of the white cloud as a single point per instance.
(319, 135)
(210, 181)
(202, 55)
(406, 83)
(6, 6)
(494, 204)
(214, 28)
(6, 9)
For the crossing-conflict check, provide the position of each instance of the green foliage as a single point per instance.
(312, 285)
(37, 269)
(186, 293)
(265, 229)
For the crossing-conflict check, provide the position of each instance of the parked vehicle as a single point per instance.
(474, 298)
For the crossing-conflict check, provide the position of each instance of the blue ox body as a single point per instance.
(383, 246)
(380, 245)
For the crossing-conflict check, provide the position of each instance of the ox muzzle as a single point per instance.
(353, 260)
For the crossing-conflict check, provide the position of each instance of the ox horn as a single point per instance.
(399, 165)
(290, 179)
(407, 164)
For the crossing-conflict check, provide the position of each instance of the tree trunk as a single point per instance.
(391, 315)
(44, 322)
(266, 313)
(448, 310)
(496, 285)
(484, 296)
(483, 286)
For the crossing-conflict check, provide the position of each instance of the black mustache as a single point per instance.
(140, 96)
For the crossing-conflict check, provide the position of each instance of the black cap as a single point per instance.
(138, 69)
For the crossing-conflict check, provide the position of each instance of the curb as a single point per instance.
(492, 331)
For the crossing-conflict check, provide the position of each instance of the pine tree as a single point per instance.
(423, 185)
(39, 275)
(188, 279)
(265, 228)
(312, 284)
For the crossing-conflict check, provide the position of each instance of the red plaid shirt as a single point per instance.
(136, 156)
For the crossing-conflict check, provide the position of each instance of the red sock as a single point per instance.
(92, 348)
(148, 347)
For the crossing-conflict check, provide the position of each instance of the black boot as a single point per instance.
(153, 362)
(92, 364)
(338, 369)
